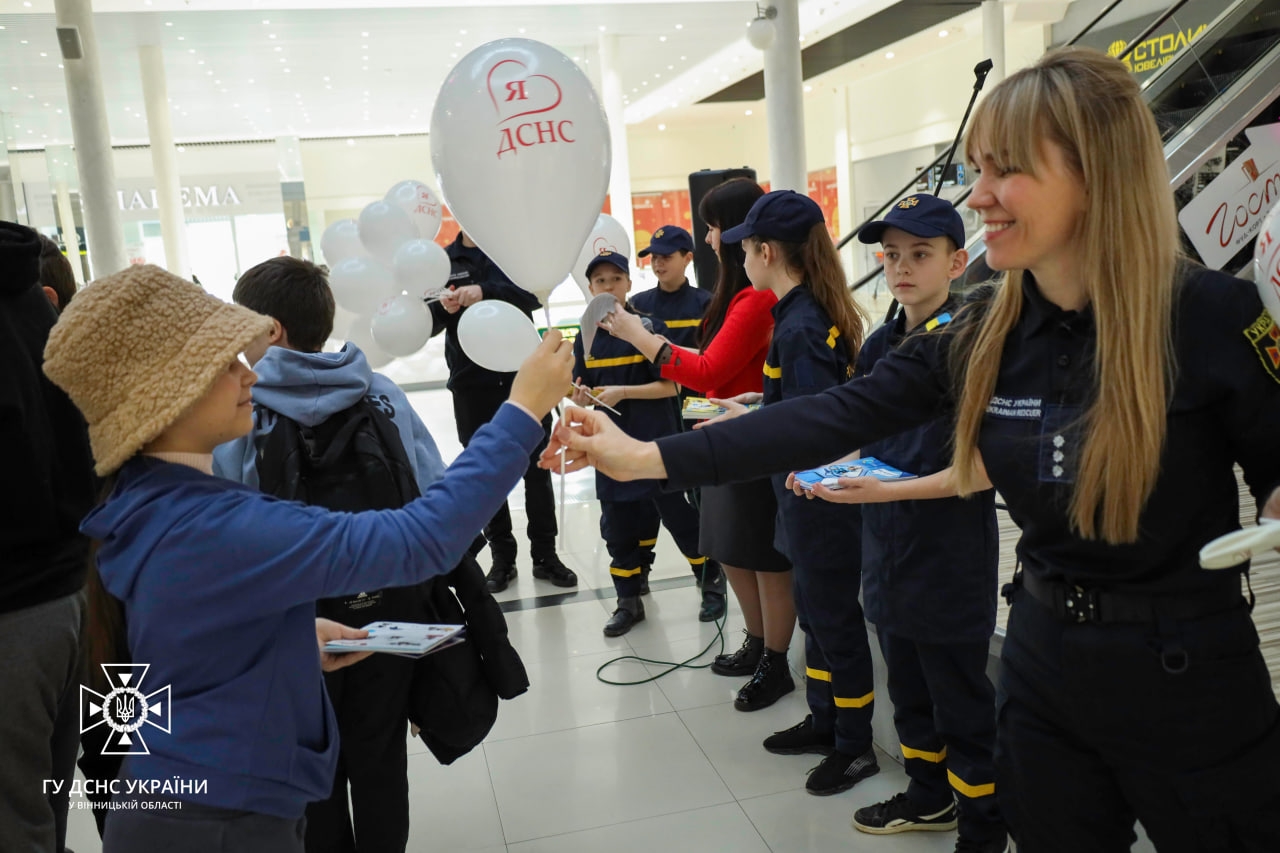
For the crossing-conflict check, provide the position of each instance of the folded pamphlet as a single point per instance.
(406, 639)
(829, 475)
(700, 408)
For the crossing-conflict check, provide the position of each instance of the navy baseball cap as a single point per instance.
(922, 215)
(668, 240)
(607, 257)
(780, 215)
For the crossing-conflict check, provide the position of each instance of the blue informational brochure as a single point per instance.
(829, 475)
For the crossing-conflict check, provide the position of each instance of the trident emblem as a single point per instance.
(125, 709)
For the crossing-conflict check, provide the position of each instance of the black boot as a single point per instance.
(500, 574)
(644, 580)
(742, 662)
(771, 682)
(630, 611)
(713, 593)
(549, 567)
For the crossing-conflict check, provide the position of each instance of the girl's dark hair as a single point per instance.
(820, 269)
(725, 207)
(55, 272)
(294, 292)
(104, 637)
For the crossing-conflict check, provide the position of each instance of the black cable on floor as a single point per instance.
(672, 666)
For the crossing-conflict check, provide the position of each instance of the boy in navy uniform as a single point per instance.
(929, 567)
(678, 304)
(477, 396)
(630, 513)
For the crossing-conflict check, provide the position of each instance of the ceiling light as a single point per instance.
(808, 88)
(191, 50)
(351, 142)
(168, 23)
(182, 38)
(748, 112)
(662, 127)
(942, 34)
(679, 26)
(278, 48)
(42, 53)
(271, 36)
(364, 35)
(522, 30)
(889, 55)
(199, 62)
(462, 32)
(662, 38)
(265, 21)
(602, 28)
(24, 41)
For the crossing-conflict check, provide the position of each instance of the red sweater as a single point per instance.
(733, 362)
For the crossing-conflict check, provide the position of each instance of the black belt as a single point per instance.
(1080, 604)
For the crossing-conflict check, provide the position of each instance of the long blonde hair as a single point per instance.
(1090, 107)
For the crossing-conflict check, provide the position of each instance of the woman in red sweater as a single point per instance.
(737, 520)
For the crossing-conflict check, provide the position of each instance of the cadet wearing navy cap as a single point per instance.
(630, 513)
(816, 336)
(929, 566)
(675, 302)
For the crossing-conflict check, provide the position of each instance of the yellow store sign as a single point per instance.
(1157, 50)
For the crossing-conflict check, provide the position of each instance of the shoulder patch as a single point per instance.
(1264, 336)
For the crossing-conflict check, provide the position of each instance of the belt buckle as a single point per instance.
(1081, 604)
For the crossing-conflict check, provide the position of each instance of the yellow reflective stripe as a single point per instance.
(832, 334)
(624, 573)
(681, 324)
(698, 562)
(772, 372)
(648, 543)
(970, 791)
(860, 702)
(817, 674)
(614, 362)
(931, 757)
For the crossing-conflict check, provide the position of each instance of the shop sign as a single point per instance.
(1228, 213)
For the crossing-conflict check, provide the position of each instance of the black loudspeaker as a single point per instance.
(705, 263)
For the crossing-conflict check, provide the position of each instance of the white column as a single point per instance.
(67, 216)
(993, 40)
(164, 160)
(614, 110)
(784, 101)
(8, 185)
(88, 109)
(844, 175)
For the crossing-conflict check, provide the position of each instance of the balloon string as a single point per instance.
(546, 309)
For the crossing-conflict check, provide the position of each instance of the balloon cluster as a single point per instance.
(382, 266)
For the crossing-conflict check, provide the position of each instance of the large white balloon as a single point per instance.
(402, 325)
(608, 235)
(360, 333)
(416, 199)
(497, 335)
(520, 148)
(1266, 263)
(341, 240)
(361, 284)
(421, 267)
(384, 228)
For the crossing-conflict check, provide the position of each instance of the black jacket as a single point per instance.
(472, 266)
(48, 482)
(1224, 409)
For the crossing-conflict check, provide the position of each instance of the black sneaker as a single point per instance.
(550, 568)
(772, 681)
(970, 845)
(742, 662)
(799, 739)
(898, 815)
(840, 772)
(500, 575)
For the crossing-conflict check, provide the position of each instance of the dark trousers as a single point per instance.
(839, 685)
(371, 702)
(630, 532)
(196, 828)
(472, 409)
(1173, 723)
(944, 711)
(39, 723)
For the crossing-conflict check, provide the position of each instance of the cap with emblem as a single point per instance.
(780, 215)
(607, 257)
(668, 240)
(921, 215)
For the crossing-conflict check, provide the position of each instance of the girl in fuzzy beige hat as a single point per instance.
(223, 715)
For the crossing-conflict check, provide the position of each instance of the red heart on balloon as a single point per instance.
(516, 93)
(602, 245)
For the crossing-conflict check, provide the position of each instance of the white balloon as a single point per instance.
(341, 240)
(520, 147)
(402, 325)
(416, 199)
(1266, 263)
(361, 284)
(497, 335)
(384, 228)
(421, 267)
(608, 235)
(360, 333)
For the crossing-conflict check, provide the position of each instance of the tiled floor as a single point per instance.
(579, 765)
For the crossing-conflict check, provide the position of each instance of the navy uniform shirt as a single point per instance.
(928, 567)
(1224, 408)
(613, 361)
(472, 266)
(808, 355)
(681, 310)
